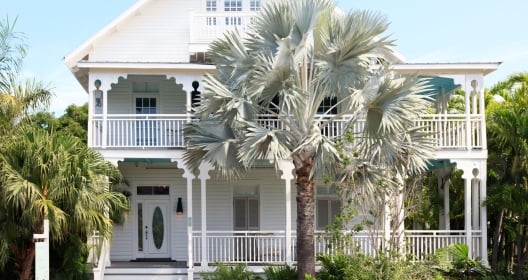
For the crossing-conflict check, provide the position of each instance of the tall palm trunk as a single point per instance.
(496, 241)
(27, 263)
(305, 217)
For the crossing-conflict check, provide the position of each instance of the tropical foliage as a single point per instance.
(46, 175)
(54, 177)
(18, 97)
(507, 119)
(264, 101)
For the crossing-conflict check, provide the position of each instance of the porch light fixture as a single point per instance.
(98, 94)
(179, 207)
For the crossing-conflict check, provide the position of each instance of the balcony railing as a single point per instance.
(451, 131)
(205, 27)
(269, 246)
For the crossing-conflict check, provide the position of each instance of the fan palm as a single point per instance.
(295, 55)
(54, 177)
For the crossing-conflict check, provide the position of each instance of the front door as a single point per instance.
(153, 228)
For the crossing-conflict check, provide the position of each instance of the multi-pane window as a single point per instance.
(328, 105)
(233, 6)
(146, 105)
(254, 5)
(211, 6)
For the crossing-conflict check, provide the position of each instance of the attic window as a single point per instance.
(145, 86)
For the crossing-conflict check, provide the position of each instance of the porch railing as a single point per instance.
(99, 255)
(449, 131)
(205, 27)
(269, 246)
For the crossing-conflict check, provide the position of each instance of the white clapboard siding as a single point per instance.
(157, 33)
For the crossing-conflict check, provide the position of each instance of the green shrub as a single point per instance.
(225, 272)
(362, 267)
(284, 272)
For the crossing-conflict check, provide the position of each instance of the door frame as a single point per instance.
(147, 201)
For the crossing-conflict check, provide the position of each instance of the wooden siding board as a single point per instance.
(160, 32)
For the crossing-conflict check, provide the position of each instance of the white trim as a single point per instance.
(73, 57)
(452, 68)
(143, 65)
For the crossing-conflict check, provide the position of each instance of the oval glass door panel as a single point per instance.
(158, 228)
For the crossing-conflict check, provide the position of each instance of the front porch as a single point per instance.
(258, 249)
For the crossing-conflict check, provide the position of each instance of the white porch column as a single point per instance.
(475, 203)
(400, 217)
(386, 223)
(483, 214)
(467, 176)
(447, 220)
(286, 166)
(204, 175)
(187, 173)
(101, 82)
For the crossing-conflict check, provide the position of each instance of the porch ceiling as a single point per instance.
(439, 86)
(435, 164)
(147, 160)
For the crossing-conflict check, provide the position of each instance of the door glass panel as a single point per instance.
(158, 228)
(140, 227)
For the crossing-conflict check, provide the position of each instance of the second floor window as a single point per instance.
(254, 5)
(233, 6)
(328, 105)
(145, 105)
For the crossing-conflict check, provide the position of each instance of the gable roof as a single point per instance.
(82, 51)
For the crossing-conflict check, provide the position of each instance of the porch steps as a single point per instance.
(147, 271)
(146, 274)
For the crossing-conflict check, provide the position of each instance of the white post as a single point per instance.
(42, 253)
(468, 131)
(447, 220)
(286, 166)
(467, 208)
(483, 214)
(190, 258)
(475, 201)
(204, 175)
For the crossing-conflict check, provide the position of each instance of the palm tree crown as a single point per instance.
(265, 100)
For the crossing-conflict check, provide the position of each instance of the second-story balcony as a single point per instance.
(165, 131)
(206, 27)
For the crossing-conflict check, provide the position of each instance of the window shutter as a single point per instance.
(253, 214)
(322, 213)
(240, 213)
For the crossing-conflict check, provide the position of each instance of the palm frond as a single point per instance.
(214, 142)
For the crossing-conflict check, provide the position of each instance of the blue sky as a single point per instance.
(425, 31)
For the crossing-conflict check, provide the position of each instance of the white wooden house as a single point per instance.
(139, 71)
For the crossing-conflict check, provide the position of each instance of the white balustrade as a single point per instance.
(166, 130)
(206, 27)
(268, 247)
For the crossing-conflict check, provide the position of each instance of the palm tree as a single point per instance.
(17, 97)
(507, 118)
(54, 177)
(296, 55)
